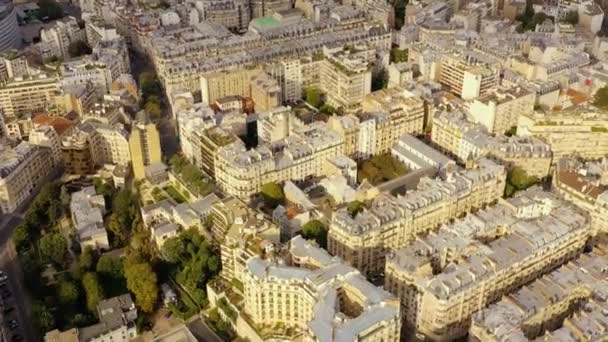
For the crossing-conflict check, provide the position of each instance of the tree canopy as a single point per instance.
(68, 292)
(398, 55)
(142, 282)
(193, 262)
(354, 208)
(93, 291)
(54, 247)
(315, 230)
(600, 99)
(273, 194)
(518, 180)
(43, 317)
(314, 97)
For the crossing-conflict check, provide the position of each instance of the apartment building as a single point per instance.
(265, 92)
(241, 232)
(87, 209)
(191, 121)
(144, 144)
(241, 172)
(466, 77)
(217, 85)
(275, 125)
(76, 153)
(406, 110)
(207, 145)
(13, 64)
(23, 169)
(44, 135)
(318, 296)
(165, 219)
(499, 109)
(566, 304)
(585, 184)
(345, 77)
(444, 278)
(55, 40)
(468, 141)
(108, 62)
(289, 75)
(580, 133)
(388, 222)
(117, 316)
(28, 95)
(109, 143)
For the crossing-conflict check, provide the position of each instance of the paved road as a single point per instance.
(19, 299)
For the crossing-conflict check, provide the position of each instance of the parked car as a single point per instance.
(13, 324)
(5, 294)
(3, 277)
(8, 310)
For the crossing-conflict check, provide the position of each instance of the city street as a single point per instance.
(19, 299)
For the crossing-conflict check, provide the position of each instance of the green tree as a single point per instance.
(174, 249)
(68, 292)
(117, 235)
(93, 290)
(79, 48)
(354, 208)
(110, 266)
(315, 230)
(142, 281)
(43, 317)
(149, 84)
(153, 109)
(314, 97)
(54, 247)
(571, 18)
(273, 194)
(518, 180)
(398, 55)
(86, 261)
(600, 99)
(21, 237)
(49, 10)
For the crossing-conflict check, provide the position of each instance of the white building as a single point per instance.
(56, 40)
(87, 210)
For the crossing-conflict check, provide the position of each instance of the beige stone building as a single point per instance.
(586, 186)
(444, 278)
(466, 77)
(241, 172)
(406, 110)
(346, 79)
(567, 304)
(469, 141)
(265, 92)
(144, 144)
(217, 85)
(28, 95)
(580, 133)
(23, 169)
(499, 110)
(388, 222)
(319, 297)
